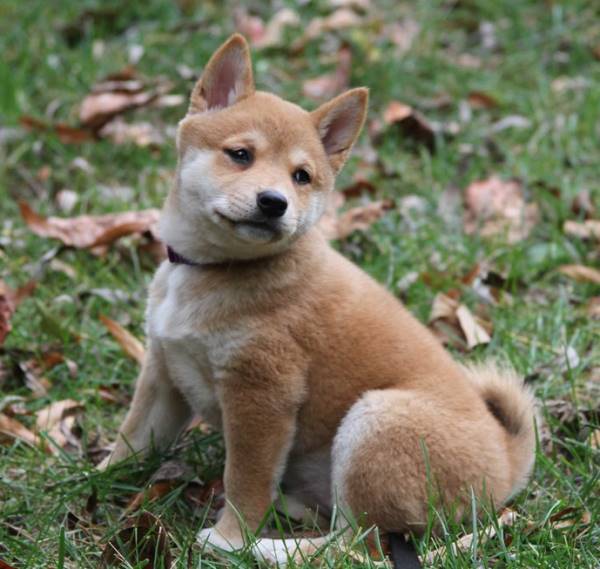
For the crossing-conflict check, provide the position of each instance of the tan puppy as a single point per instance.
(319, 379)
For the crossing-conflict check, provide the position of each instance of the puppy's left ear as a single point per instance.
(226, 79)
(338, 123)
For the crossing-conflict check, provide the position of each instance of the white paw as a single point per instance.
(211, 537)
(280, 552)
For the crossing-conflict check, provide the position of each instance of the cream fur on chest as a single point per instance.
(196, 354)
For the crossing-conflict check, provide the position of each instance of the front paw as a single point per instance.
(218, 539)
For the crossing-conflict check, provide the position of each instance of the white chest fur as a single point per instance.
(197, 356)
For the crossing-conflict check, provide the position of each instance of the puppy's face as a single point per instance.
(254, 170)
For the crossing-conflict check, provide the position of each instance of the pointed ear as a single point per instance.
(339, 122)
(226, 79)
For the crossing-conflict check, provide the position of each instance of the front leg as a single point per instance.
(259, 422)
(157, 414)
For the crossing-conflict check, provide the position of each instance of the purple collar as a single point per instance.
(178, 259)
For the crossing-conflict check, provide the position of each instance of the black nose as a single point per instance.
(272, 204)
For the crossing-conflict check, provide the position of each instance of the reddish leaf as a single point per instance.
(88, 231)
(495, 206)
(13, 429)
(143, 541)
(130, 344)
(481, 100)
(411, 123)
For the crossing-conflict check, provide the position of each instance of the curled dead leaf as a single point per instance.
(588, 229)
(495, 206)
(66, 134)
(9, 301)
(340, 19)
(143, 541)
(412, 124)
(358, 218)
(89, 231)
(58, 420)
(581, 273)
(11, 429)
(130, 344)
(454, 324)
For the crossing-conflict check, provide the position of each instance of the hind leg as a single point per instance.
(396, 453)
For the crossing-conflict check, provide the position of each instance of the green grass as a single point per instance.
(44, 521)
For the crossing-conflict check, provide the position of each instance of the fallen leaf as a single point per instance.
(5, 565)
(328, 85)
(481, 100)
(360, 218)
(569, 517)
(52, 414)
(130, 344)
(564, 84)
(402, 34)
(454, 324)
(411, 123)
(588, 229)
(143, 541)
(13, 429)
(495, 206)
(59, 421)
(66, 134)
(142, 134)
(581, 273)
(170, 475)
(34, 380)
(116, 94)
(9, 301)
(511, 121)
(475, 334)
(89, 231)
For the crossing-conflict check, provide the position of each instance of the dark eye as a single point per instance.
(239, 155)
(301, 176)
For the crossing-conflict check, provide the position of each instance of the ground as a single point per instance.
(508, 89)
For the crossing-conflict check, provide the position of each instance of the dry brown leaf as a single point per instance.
(12, 429)
(34, 380)
(495, 206)
(59, 421)
(475, 333)
(581, 273)
(328, 85)
(589, 229)
(583, 205)
(89, 231)
(116, 94)
(569, 517)
(481, 100)
(453, 323)
(411, 123)
(9, 301)
(66, 134)
(130, 344)
(143, 541)
(142, 133)
(52, 414)
(360, 218)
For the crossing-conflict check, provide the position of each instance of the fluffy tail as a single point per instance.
(512, 404)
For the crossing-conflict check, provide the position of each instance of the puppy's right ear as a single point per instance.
(226, 79)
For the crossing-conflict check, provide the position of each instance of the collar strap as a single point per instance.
(178, 259)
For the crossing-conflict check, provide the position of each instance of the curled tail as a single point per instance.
(512, 404)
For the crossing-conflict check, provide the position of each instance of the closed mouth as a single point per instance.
(269, 226)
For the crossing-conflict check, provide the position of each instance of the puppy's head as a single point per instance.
(254, 170)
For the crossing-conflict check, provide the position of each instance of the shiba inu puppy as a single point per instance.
(320, 380)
